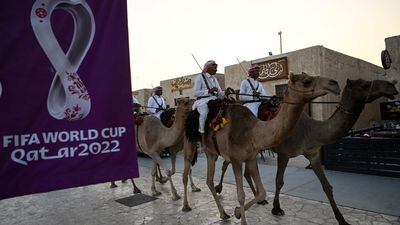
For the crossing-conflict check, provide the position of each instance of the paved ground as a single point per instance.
(96, 204)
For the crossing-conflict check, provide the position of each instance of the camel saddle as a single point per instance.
(167, 117)
(268, 109)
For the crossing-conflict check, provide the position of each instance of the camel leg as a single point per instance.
(159, 176)
(136, 190)
(282, 163)
(154, 191)
(188, 153)
(239, 212)
(260, 191)
(210, 183)
(218, 188)
(249, 180)
(315, 161)
(192, 185)
(113, 185)
(175, 195)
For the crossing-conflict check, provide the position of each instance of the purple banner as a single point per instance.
(65, 95)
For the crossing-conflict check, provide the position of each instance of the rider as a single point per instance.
(206, 88)
(252, 90)
(156, 104)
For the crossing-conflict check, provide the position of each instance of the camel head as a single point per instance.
(368, 91)
(306, 87)
(185, 105)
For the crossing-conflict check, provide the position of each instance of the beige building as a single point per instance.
(393, 72)
(142, 95)
(182, 87)
(316, 60)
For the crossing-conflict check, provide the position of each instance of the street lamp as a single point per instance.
(280, 39)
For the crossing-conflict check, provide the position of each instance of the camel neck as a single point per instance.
(341, 121)
(271, 133)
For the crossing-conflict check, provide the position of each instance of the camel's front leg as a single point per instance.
(282, 163)
(154, 191)
(175, 195)
(249, 178)
(159, 176)
(315, 161)
(210, 183)
(239, 212)
(254, 174)
(218, 188)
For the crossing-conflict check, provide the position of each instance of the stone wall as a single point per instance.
(142, 95)
(393, 73)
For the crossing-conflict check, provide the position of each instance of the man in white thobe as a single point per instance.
(156, 104)
(206, 88)
(253, 90)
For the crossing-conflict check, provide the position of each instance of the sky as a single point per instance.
(164, 33)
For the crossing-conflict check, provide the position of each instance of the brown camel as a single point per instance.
(153, 137)
(242, 138)
(310, 135)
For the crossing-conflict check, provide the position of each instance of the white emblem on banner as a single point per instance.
(68, 97)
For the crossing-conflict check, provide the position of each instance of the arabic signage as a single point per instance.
(66, 115)
(273, 69)
(181, 83)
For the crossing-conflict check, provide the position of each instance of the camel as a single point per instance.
(241, 139)
(153, 137)
(310, 135)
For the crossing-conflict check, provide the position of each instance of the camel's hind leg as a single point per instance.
(237, 170)
(282, 163)
(175, 195)
(192, 185)
(154, 191)
(218, 188)
(136, 190)
(159, 177)
(210, 183)
(315, 161)
(188, 152)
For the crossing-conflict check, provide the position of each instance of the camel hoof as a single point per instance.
(186, 208)
(237, 213)
(218, 189)
(263, 202)
(343, 223)
(124, 181)
(162, 180)
(196, 189)
(156, 193)
(176, 197)
(277, 212)
(137, 191)
(225, 216)
(169, 173)
(113, 185)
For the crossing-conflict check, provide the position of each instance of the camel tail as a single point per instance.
(192, 127)
(194, 160)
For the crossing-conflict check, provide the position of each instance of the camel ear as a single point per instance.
(292, 77)
(348, 83)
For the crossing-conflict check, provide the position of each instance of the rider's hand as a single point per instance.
(256, 94)
(213, 90)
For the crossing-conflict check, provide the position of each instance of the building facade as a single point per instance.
(314, 61)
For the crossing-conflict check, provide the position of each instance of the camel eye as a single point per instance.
(307, 82)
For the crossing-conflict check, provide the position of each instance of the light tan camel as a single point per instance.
(242, 138)
(153, 137)
(310, 135)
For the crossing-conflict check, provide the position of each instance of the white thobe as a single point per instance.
(155, 103)
(201, 90)
(245, 88)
